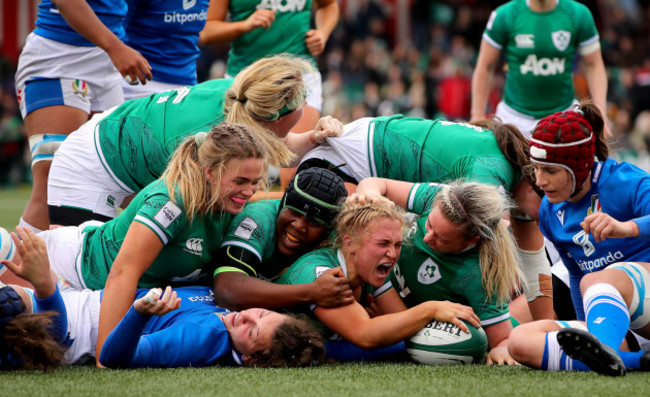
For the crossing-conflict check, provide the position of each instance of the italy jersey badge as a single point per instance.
(595, 205)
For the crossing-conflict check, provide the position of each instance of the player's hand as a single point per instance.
(35, 265)
(261, 18)
(152, 304)
(327, 127)
(315, 41)
(368, 197)
(450, 312)
(602, 226)
(130, 63)
(500, 356)
(332, 289)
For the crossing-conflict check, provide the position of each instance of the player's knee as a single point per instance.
(518, 344)
(43, 146)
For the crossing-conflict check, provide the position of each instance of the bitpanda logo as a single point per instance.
(282, 5)
(194, 246)
(428, 272)
(183, 17)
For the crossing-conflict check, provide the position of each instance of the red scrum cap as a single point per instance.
(565, 139)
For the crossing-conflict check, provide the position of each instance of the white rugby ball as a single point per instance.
(441, 343)
(7, 248)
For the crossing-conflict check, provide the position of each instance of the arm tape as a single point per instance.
(537, 271)
(232, 257)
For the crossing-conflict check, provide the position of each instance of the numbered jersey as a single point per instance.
(540, 49)
(137, 139)
(419, 150)
(187, 248)
(423, 274)
(619, 190)
(286, 33)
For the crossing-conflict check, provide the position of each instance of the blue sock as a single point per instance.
(554, 359)
(607, 314)
(632, 360)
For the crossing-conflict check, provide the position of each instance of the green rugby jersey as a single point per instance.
(186, 248)
(254, 229)
(422, 274)
(286, 34)
(135, 142)
(540, 49)
(420, 150)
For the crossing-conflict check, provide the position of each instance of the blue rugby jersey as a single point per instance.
(620, 190)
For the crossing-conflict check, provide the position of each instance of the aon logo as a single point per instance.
(542, 66)
(283, 5)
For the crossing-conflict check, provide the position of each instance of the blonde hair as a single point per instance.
(185, 177)
(353, 219)
(479, 208)
(265, 91)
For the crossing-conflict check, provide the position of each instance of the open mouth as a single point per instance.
(384, 269)
(291, 240)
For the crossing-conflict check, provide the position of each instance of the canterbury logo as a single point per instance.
(599, 320)
(195, 245)
(187, 4)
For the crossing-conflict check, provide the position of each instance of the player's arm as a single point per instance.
(237, 288)
(139, 249)
(488, 58)
(371, 189)
(325, 18)
(218, 30)
(301, 143)
(497, 335)
(597, 81)
(81, 17)
(354, 324)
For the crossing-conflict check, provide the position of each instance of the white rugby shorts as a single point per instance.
(79, 179)
(52, 73)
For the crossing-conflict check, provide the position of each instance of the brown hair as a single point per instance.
(594, 117)
(27, 337)
(295, 343)
(512, 144)
(185, 176)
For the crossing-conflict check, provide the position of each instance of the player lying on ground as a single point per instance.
(157, 331)
(420, 150)
(117, 153)
(461, 251)
(367, 245)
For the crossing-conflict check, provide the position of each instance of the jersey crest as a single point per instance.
(561, 39)
(428, 272)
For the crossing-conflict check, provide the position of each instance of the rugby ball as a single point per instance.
(7, 248)
(444, 343)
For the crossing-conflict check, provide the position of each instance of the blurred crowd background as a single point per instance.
(416, 57)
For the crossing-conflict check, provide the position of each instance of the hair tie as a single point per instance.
(242, 101)
(199, 138)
